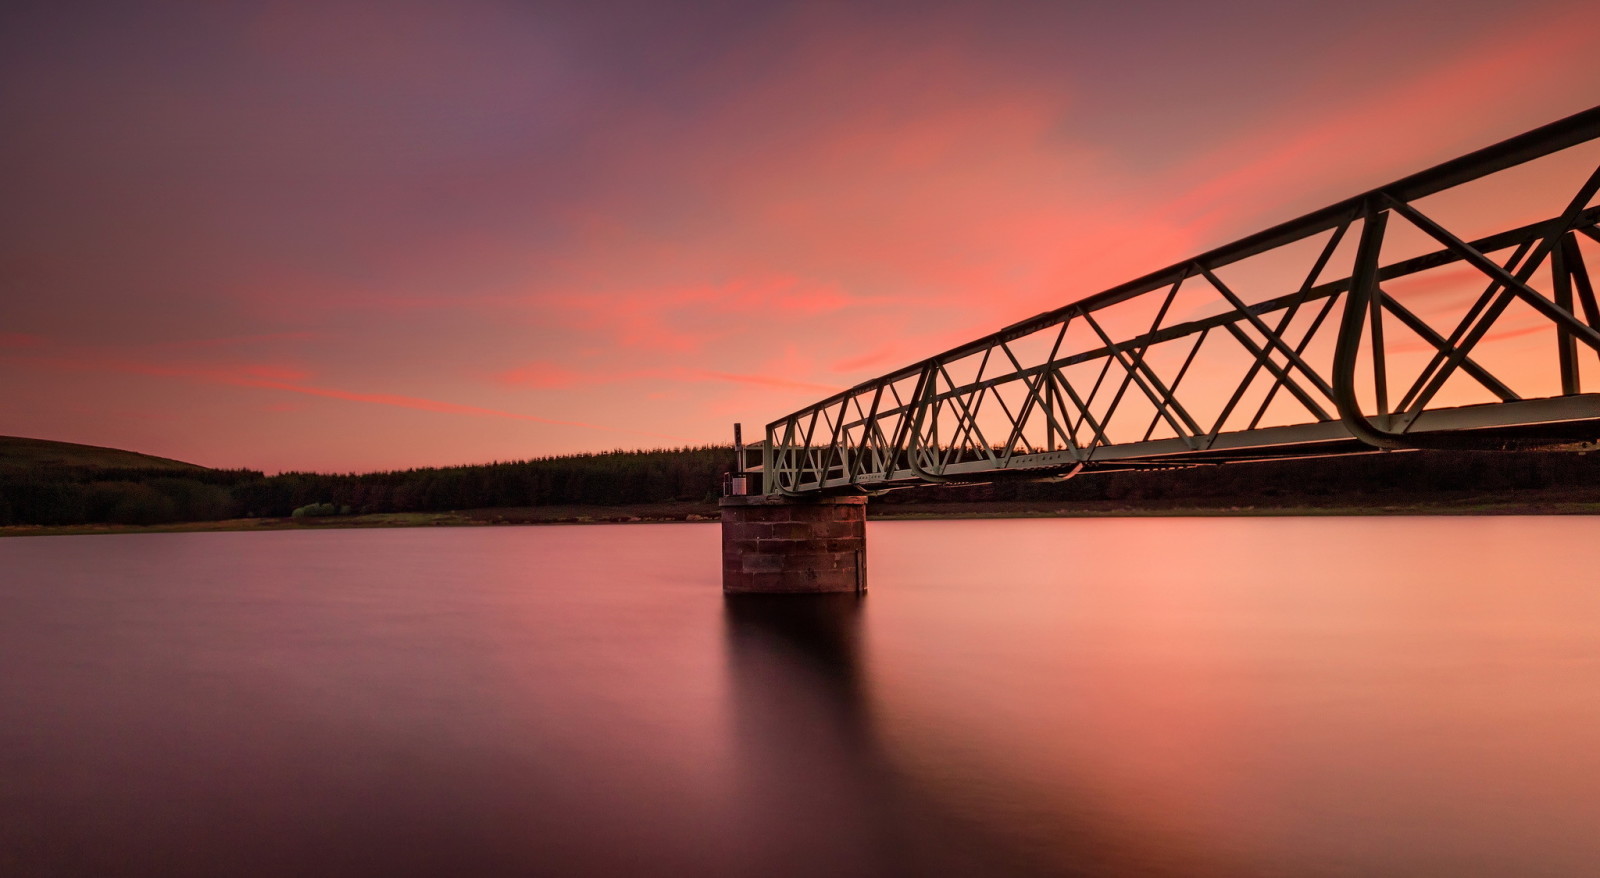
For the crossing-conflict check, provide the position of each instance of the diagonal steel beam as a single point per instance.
(1272, 338)
(1431, 336)
(1162, 398)
(1490, 298)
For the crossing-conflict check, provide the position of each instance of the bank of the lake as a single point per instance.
(1525, 503)
(57, 488)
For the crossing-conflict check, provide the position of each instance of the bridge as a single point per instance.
(1453, 308)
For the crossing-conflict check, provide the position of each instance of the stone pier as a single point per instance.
(782, 545)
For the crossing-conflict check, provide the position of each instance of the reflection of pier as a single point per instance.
(820, 796)
(823, 793)
(813, 785)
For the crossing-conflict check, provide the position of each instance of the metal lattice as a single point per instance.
(1187, 366)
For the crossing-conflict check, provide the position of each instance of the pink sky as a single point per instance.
(352, 236)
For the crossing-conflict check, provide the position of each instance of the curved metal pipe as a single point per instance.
(1348, 346)
(921, 471)
(1347, 349)
(926, 387)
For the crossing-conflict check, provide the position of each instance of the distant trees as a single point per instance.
(81, 495)
(1395, 477)
(611, 478)
(66, 495)
(317, 510)
(63, 496)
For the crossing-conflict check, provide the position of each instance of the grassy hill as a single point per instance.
(19, 453)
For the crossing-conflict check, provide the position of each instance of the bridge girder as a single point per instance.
(1235, 368)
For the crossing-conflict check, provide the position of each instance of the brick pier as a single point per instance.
(780, 545)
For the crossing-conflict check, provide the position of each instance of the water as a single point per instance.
(1129, 697)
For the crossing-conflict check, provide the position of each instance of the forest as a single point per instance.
(76, 494)
(65, 495)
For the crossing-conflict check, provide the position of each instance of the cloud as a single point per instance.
(886, 354)
(550, 376)
(1359, 140)
(541, 376)
(662, 201)
(265, 338)
(427, 405)
(684, 319)
(288, 379)
(757, 380)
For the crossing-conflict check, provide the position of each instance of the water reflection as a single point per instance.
(807, 769)
(1283, 696)
(819, 794)
(1252, 698)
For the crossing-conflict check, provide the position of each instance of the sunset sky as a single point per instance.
(351, 236)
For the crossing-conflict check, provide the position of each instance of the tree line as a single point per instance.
(58, 495)
(1378, 478)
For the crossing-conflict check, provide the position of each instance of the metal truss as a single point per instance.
(1183, 366)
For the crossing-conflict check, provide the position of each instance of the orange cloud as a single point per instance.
(1369, 141)
(540, 375)
(427, 405)
(857, 189)
(236, 340)
(276, 373)
(880, 355)
(257, 377)
(683, 319)
(549, 376)
(758, 380)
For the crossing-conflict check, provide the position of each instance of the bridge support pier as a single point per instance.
(783, 545)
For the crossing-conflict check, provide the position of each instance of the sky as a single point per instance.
(350, 236)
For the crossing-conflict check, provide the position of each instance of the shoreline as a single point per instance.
(664, 513)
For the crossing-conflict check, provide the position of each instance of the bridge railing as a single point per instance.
(1380, 321)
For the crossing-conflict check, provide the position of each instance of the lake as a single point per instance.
(1222, 696)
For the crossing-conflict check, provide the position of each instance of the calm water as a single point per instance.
(1225, 697)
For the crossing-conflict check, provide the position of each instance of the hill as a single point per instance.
(19, 453)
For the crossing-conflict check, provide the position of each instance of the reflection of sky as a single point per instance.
(1329, 696)
(1249, 696)
(271, 234)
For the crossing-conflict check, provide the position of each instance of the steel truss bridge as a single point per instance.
(1451, 309)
